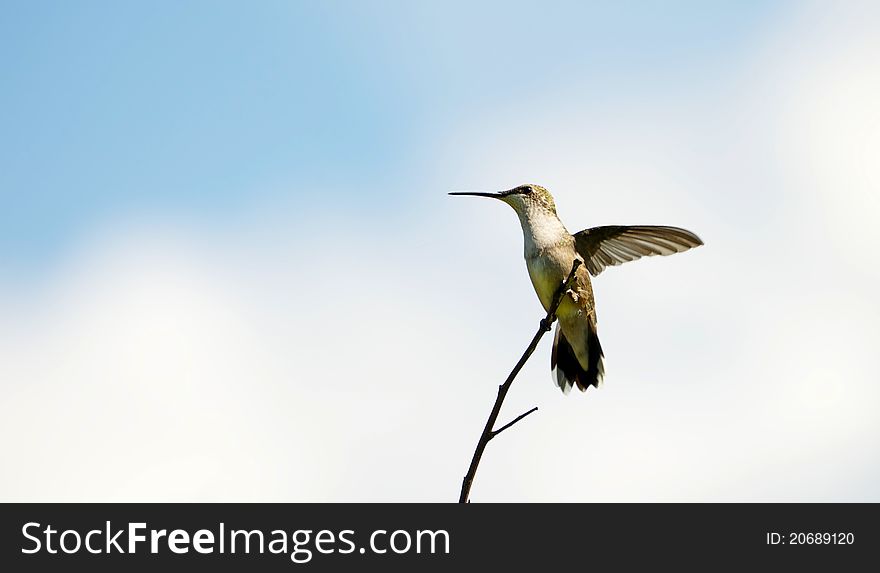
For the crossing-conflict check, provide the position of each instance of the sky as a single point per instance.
(229, 269)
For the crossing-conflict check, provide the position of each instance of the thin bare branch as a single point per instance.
(488, 432)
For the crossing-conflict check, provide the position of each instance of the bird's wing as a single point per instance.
(606, 246)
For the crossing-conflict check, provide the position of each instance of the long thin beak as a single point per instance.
(477, 194)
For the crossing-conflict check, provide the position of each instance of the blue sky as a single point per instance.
(200, 109)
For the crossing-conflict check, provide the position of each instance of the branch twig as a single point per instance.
(515, 420)
(488, 432)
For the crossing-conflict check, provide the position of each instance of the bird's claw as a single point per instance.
(545, 325)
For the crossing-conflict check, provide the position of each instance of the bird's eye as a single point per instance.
(526, 189)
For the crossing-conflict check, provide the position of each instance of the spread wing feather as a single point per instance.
(609, 246)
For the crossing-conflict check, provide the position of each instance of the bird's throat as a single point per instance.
(542, 230)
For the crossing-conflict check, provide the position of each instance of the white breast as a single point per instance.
(548, 248)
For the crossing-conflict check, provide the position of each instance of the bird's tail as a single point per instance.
(568, 370)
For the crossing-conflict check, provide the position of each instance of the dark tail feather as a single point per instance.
(567, 370)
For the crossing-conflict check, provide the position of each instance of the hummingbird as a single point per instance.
(550, 251)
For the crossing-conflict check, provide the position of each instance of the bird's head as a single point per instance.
(523, 198)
